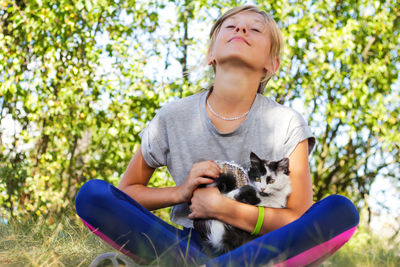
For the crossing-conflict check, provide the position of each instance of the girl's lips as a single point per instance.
(240, 39)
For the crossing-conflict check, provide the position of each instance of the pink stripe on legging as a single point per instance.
(319, 253)
(113, 244)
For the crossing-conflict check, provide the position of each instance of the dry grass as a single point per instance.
(67, 242)
(48, 243)
(366, 250)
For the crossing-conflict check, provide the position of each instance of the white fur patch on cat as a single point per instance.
(217, 231)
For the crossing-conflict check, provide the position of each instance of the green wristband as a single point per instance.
(260, 221)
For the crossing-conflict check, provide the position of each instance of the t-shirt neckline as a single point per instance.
(242, 127)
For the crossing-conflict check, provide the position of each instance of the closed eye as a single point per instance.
(230, 27)
(255, 29)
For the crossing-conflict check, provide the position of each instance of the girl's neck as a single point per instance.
(234, 91)
(232, 96)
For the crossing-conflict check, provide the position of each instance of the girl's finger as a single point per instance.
(214, 166)
(205, 180)
(206, 173)
(211, 173)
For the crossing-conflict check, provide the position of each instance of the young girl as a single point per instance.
(224, 123)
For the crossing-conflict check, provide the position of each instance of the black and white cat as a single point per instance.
(268, 186)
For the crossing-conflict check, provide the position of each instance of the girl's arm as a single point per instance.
(135, 179)
(209, 203)
(134, 183)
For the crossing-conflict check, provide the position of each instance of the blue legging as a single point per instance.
(130, 228)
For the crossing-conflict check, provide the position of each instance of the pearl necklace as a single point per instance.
(225, 118)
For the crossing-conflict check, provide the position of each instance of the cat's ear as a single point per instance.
(283, 165)
(254, 160)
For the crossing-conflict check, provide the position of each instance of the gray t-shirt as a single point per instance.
(182, 134)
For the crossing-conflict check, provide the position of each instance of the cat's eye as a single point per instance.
(257, 179)
(271, 181)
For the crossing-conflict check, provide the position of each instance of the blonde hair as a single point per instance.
(273, 30)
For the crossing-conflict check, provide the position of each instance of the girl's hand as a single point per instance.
(205, 203)
(197, 176)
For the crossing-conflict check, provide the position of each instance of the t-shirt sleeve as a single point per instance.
(298, 131)
(154, 142)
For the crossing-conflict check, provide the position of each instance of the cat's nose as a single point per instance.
(262, 189)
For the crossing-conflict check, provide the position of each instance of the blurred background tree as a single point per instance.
(66, 116)
(80, 80)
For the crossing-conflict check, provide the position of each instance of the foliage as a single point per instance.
(80, 79)
(69, 118)
(342, 60)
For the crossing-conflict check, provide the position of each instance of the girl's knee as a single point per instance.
(94, 188)
(343, 207)
(338, 201)
(91, 194)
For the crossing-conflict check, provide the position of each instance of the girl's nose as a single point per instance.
(241, 27)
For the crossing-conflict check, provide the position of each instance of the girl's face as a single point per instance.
(243, 39)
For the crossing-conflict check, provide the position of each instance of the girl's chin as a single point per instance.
(237, 59)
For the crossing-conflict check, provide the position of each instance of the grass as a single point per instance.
(366, 250)
(66, 242)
